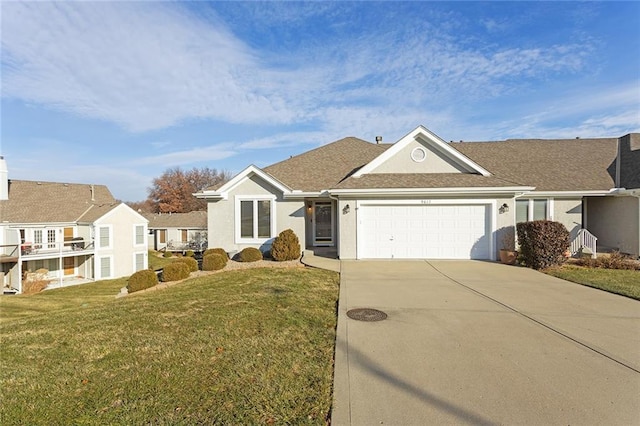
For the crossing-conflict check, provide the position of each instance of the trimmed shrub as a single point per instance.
(542, 243)
(190, 253)
(190, 262)
(286, 246)
(175, 271)
(214, 262)
(167, 254)
(217, 250)
(250, 254)
(142, 279)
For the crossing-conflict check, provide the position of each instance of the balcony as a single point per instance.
(75, 247)
(9, 253)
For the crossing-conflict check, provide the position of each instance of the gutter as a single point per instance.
(431, 191)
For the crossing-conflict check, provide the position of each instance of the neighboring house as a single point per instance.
(177, 231)
(422, 197)
(77, 232)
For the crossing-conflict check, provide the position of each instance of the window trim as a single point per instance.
(237, 218)
(99, 267)
(98, 239)
(530, 208)
(135, 235)
(145, 264)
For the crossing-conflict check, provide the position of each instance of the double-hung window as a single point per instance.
(104, 237)
(139, 235)
(533, 209)
(255, 219)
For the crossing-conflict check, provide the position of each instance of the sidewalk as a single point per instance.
(309, 258)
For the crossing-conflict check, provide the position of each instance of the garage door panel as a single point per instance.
(424, 231)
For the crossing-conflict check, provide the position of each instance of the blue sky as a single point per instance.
(117, 92)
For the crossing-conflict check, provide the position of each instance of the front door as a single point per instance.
(323, 223)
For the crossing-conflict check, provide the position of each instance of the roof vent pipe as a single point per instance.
(378, 139)
(93, 193)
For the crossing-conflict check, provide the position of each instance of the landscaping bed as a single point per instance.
(240, 347)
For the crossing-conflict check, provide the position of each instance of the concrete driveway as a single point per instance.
(469, 342)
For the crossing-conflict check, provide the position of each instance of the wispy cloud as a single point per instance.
(189, 156)
(150, 66)
(141, 65)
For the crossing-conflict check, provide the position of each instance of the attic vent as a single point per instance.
(378, 139)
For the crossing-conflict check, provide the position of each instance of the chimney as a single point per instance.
(378, 139)
(4, 180)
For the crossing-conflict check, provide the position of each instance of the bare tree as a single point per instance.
(172, 191)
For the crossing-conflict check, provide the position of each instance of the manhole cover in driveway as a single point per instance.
(366, 314)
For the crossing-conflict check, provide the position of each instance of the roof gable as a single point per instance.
(421, 151)
(248, 173)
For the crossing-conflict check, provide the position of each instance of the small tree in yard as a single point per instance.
(542, 243)
(286, 246)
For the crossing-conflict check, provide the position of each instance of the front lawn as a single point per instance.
(240, 347)
(624, 282)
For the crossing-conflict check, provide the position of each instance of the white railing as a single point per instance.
(584, 239)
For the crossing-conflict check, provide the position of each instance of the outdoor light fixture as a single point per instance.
(346, 209)
(504, 208)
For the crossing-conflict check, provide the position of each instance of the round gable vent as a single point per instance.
(418, 154)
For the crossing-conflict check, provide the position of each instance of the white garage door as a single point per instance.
(424, 232)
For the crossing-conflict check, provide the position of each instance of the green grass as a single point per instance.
(624, 282)
(158, 262)
(240, 347)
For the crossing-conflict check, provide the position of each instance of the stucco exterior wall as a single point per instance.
(505, 230)
(569, 213)
(289, 214)
(616, 222)
(403, 163)
(346, 244)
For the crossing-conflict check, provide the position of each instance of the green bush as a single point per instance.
(250, 254)
(190, 253)
(167, 254)
(142, 279)
(216, 250)
(286, 246)
(190, 262)
(542, 243)
(175, 271)
(214, 262)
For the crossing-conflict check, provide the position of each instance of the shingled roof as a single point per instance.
(52, 202)
(177, 220)
(546, 164)
(423, 180)
(326, 166)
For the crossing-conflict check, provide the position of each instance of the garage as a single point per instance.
(424, 231)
